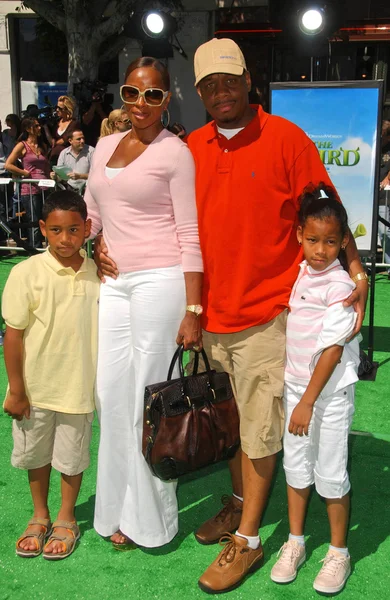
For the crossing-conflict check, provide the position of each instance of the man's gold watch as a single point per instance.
(360, 277)
(197, 309)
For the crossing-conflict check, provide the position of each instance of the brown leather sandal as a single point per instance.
(125, 546)
(68, 541)
(39, 538)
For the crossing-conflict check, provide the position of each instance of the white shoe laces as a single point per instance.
(332, 564)
(288, 553)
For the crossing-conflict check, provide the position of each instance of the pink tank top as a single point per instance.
(39, 168)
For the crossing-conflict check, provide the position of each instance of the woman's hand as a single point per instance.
(190, 332)
(105, 265)
(300, 418)
(358, 299)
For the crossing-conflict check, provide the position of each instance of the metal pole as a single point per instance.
(370, 346)
(32, 234)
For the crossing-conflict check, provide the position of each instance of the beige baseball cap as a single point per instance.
(218, 56)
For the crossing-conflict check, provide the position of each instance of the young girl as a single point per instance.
(320, 373)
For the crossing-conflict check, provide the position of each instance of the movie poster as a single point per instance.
(342, 121)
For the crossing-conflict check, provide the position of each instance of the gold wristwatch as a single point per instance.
(360, 277)
(197, 309)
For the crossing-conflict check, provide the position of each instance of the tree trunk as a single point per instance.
(83, 51)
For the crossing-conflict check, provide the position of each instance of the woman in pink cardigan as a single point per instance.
(141, 191)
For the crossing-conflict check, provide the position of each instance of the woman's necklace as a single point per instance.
(34, 147)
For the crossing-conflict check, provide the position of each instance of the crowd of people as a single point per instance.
(30, 149)
(212, 248)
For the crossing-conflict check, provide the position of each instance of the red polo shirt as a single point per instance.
(247, 190)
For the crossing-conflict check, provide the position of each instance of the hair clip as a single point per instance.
(322, 195)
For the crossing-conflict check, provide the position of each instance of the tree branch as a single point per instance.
(119, 17)
(47, 10)
(112, 49)
(99, 8)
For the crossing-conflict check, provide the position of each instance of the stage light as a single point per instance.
(311, 21)
(307, 25)
(158, 24)
(156, 30)
(153, 24)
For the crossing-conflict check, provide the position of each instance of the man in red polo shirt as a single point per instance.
(251, 168)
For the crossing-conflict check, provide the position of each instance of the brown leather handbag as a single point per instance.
(189, 422)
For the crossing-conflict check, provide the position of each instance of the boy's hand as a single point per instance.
(300, 419)
(17, 405)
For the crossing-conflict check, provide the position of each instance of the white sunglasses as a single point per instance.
(152, 96)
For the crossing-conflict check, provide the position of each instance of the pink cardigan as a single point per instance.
(148, 211)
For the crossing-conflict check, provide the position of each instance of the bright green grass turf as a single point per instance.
(96, 571)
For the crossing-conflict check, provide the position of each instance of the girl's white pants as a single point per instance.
(139, 317)
(322, 456)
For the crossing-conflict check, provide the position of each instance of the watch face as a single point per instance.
(198, 310)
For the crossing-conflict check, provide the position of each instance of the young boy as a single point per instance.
(50, 306)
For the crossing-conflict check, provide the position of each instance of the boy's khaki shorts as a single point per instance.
(49, 437)
(254, 359)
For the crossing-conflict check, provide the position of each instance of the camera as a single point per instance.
(45, 116)
(87, 92)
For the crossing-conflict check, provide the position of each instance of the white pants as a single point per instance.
(139, 317)
(322, 456)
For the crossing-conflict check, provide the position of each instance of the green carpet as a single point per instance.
(96, 571)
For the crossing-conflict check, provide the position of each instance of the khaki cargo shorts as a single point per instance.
(49, 437)
(254, 359)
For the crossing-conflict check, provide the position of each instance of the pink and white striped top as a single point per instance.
(316, 313)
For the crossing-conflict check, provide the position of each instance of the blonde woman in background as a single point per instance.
(66, 125)
(116, 122)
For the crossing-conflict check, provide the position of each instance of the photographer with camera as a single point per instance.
(97, 111)
(58, 139)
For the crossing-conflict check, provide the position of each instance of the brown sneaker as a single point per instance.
(231, 566)
(228, 519)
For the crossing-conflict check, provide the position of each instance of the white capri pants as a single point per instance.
(139, 317)
(321, 457)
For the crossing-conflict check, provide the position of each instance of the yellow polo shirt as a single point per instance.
(58, 310)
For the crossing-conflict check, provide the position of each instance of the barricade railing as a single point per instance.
(20, 212)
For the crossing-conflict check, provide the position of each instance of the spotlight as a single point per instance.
(158, 24)
(311, 21)
(307, 23)
(156, 30)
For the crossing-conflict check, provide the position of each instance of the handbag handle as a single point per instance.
(178, 355)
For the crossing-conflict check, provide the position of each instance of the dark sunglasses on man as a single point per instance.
(153, 96)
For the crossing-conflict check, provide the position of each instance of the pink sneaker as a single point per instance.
(292, 556)
(333, 574)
